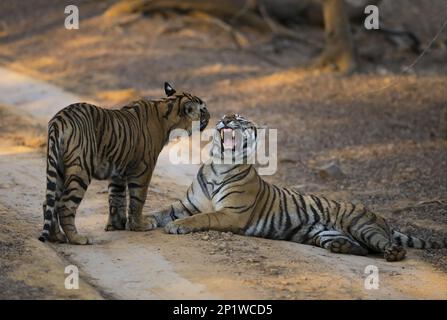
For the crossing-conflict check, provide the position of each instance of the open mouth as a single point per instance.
(227, 139)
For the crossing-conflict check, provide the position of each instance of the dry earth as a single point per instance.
(380, 125)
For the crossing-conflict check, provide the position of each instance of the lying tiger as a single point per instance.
(122, 146)
(233, 197)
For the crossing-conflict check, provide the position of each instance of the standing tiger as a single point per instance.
(85, 142)
(233, 197)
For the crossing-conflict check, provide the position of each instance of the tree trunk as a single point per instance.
(339, 53)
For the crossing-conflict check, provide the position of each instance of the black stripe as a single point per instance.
(229, 193)
(136, 199)
(75, 199)
(187, 210)
(190, 202)
(202, 183)
(134, 185)
(172, 213)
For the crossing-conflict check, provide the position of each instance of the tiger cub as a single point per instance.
(233, 197)
(122, 146)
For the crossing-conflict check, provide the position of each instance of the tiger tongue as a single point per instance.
(228, 138)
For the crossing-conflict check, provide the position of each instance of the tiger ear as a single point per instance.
(169, 90)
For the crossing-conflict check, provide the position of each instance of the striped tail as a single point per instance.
(54, 176)
(417, 243)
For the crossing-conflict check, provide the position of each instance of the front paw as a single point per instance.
(177, 227)
(116, 225)
(144, 224)
(394, 253)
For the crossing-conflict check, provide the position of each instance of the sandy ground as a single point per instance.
(152, 265)
(155, 265)
(380, 125)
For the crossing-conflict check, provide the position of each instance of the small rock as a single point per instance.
(274, 271)
(206, 237)
(331, 171)
(222, 245)
(383, 71)
(228, 236)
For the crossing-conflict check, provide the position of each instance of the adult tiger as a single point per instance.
(85, 142)
(233, 197)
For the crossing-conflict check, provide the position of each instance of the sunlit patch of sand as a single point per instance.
(365, 152)
(278, 79)
(10, 150)
(38, 98)
(219, 68)
(118, 96)
(84, 41)
(42, 62)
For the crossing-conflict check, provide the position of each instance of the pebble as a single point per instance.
(331, 171)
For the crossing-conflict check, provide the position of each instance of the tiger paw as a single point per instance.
(58, 238)
(145, 224)
(342, 245)
(394, 253)
(176, 227)
(116, 225)
(339, 246)
(79, 239)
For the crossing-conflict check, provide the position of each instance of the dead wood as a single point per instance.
(423, 203)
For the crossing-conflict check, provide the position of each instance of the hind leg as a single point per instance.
(337, 242)
(55, 233)
(384, 243)
(378, 238)
(76, 183)
(117, 205)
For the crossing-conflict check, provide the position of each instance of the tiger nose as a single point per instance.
(204, 112)
(226, 121)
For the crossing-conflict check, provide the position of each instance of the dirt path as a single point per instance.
(155, 265)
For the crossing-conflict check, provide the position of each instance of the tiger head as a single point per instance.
(181, 109)
(234, 140)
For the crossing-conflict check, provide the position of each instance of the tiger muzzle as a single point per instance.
(204, 119)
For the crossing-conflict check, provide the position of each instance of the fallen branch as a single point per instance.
(240, 40)
(397, 38)
(281, 31)
(222, 9)
(441, 202)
